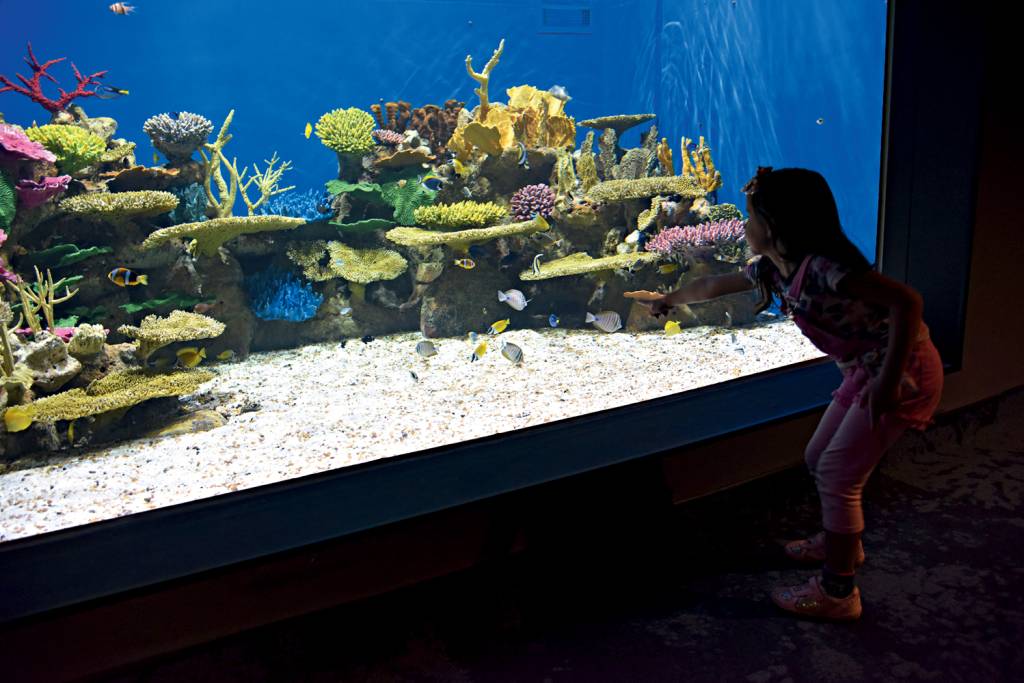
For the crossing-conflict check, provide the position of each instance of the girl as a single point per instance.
(869, 324)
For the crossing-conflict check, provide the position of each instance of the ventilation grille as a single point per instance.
(565, 17)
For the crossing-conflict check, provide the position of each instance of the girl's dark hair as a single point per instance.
(798, 206)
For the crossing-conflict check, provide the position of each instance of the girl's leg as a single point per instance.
(823, 434)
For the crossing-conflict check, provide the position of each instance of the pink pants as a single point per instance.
(845, 449)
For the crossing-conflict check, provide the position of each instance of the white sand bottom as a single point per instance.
(323, 407)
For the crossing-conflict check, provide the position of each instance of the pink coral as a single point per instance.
(677, 240)
(32, 193)
(531, 200)
(388, 137)
(15, 146)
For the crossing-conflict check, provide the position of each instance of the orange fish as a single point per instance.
(122, 8)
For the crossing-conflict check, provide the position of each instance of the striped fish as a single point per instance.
(512, 352)
(606, 321)
(122, 277)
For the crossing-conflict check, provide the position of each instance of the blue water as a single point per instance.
(752, 76)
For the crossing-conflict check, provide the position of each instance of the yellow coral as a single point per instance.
(347, 131)
(642, 188)
(74, 147)
(701, 168)
(322, 261)
(120, 204)
(484, 77)
(209, 235)
(529, 97)
(668, 166)
(560, 131)
(487, 138)
(585, 167)
(580, 263)
(155, 332)
(417, 237)
(459, 214)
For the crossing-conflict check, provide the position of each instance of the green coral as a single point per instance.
(62, 255)
(117, 391)
(371, 190)
(460, 215)
(405, 194)
(74, 147)
(7, 201)
(155, 332)
(137, 203)
(173, 300)
(724, 212)
(347, 131)
(361, 266)
(643, 188)
(210, 235)
(417, 237)
(578, 264)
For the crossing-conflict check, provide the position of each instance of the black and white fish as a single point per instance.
(606, 321)
(514, 298)
(536, 264)
(512, 352)
(524, 160)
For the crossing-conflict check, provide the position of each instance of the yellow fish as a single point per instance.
(226, 355)
(667, 268)
(672, 327)
(156, 159)
(71, 432)
(17, 418)
(498, 327)
(190, 356)
(460, 168)
(479, 352)
(466, 263)
(309, 129)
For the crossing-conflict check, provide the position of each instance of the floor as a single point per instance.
(680, 594)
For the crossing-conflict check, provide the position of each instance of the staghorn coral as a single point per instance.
(459, 215)
(697, 164)
(210, 235)
(16, 146)
(346, 131)
(279, 295)
(417, 237)
(178, 137)
(32, 193)
(267, 182)
(484, 77)
(74, 147)
(108, 205)
(155, 332)
(118, 390)
(87, 86)
(531, 200)
(580, 263)
(41, 296)
(643, 188)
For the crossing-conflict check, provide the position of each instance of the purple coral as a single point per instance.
(6, 275)
(388, 137)
(531, 200)
(32, 193)
(178, 136)
(677, 240)
(16, 146)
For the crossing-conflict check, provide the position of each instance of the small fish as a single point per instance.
(536, 264)
(672, 327)
(426, 349)
(466, 263)
(540, 220)
(499, 326)
(227, 354)
(460, 168)
(347, 310)
(122, 277)
(174, 114)
(338, 262)
(71, 432)
(192, 248)
(478, 352)
(190, 356)
(553, 320)
(477, 251)
(820, 121)
(17, 418)
(156, 159)
(367, 339)
(109, 92)
(667, 268)
(524, 160)
(466, 192)
(342, 343)
(559, 93)
(431, 182)
(514, 298)
(308, 130)
(473, 336)
(512, 352)
(122, 8)
(606, 321)
(508, 260)
(204, 307)
(415, 377)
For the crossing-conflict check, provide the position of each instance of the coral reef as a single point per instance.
(112, 205)
(178, 137)
(32, 193)
(15, 145)
(210, 235)
(32, 87)
(642, 188)
(531, 200)
(459, 215)
(347, 131)
(586, 168)
(578, 264)
(87, 341)
(361, 266)
(155, 332)
(40, 296)
(46, 357)
(417, 237)
(278, 295)
(75, 148)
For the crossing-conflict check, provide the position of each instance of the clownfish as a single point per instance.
(122, 277)
(122, 8)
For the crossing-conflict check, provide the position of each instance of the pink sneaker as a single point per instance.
(811, 600)
(813, 550)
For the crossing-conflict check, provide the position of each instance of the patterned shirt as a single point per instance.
(852, 331)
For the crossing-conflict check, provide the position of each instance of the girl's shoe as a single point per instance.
(811, 600)
(813, 550)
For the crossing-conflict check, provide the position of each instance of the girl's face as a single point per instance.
(757, 232)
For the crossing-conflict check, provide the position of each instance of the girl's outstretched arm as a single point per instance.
(701, 289)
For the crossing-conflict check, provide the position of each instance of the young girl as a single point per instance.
(869, 324)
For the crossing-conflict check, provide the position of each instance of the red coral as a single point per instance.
(33, 90)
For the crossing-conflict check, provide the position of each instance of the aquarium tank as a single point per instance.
(248, 242)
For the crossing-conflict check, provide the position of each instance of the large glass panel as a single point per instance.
(248, 242)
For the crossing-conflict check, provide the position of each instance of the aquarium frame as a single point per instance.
(73, 567)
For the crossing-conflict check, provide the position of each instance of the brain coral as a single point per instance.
(178, 136)
(74, 147)
(348, 131)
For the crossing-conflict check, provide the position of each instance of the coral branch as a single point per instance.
(33, 89)
(266, 182)
(484, 77)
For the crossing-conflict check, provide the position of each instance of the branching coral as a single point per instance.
(109, 205)
(346, 131)
(697, 164)
(210, 235)
(224, 202)
(642, 188)
(484, 77)
(40, 297)
(178, 136)
(311, 205)
(459, 215)
(726, 237)
(32, 87)
(278, 295)
(668, 166)
(74, 147)
(155, 332)
(266, 182)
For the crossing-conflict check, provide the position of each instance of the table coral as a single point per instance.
(459, 214)
(620, 123)
(210, 235)
(418, 237)
(74, 147)
(322, 261)
(178, 137)
(347, 131)
(108, 205)
(578, 264)
(642, 188)
(155, 332)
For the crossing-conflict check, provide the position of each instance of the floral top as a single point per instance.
(853, 332)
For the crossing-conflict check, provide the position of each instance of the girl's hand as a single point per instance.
(879, 397)
(655, 301)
